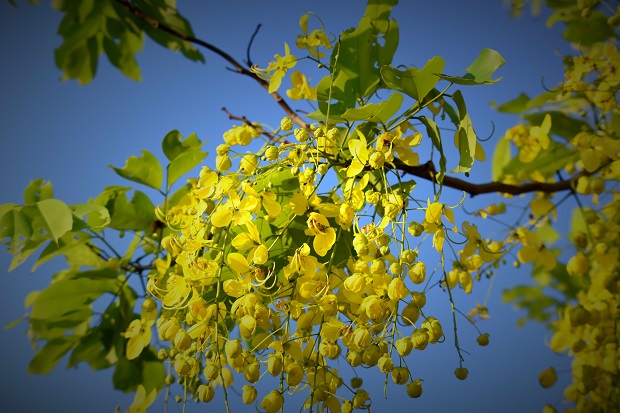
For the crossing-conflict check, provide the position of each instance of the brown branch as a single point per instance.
(238, 67)
(427, 171)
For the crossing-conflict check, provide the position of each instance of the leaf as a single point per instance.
(416, 83)
(93, 351)
(375, 112)
(50, 218)
(433, 132)
(70, 245)
(481, 69)
(145, 170)
(466, 137)
(38, 190)
(46, 359)
(137, 214)
(501, 158)
(359, 54)
(173, 144)
(590, 30)
(515, 106)
(466, 159)
(146, 370)
(184, 163)
(96, 222)
(72, 294)
(334, 98)
(15, 226)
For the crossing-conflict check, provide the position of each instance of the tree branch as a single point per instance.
(250, 124)
(427, 171)
(238, 67)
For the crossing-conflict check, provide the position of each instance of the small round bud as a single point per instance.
(483, 339)
(461, 373)
(356, 382)
(205, 393)
(414, 389)
(286, 124)
(547, 378)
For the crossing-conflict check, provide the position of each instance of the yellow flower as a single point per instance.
(324, 235)
(141, 402)
(234, 210)
(276, 70)
(301, 89)
(139, 335)
(359, 155)
(272, 402)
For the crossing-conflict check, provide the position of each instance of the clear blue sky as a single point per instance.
(69, 134)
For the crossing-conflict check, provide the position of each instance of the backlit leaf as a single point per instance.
(145, 169)
(481, 69)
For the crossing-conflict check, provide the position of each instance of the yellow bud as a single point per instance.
(249, 394)
(397, 289)
(251, 372)
(420, 338)
(371, 355)
(274, 364)
(578, 265)
(376, 159)
(182, 340)
(286, 124)
(294, 374)
(301, 135)
(354, 358)
(483, 339)
(360, 398)
(400, 375)
(414, 389)
(168, 329)
(417, 272)
(361, 337)
(222, 163)
(385, 363)
(461, 373)
(347, 407)
(435, 332)
(547, 378)
(233, 348)
(404, 346)
(211, 371)
(272, 402)
(356, 382)
(248, 164)
(205, 393)
(247, 326)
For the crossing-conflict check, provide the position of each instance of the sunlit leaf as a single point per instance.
(416, 83)
(481, 69)
(145, 169)
(375, 112)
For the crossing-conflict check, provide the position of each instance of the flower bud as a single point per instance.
(417, 272)
(168, 329)
(483, 339)
(360, 398)
(354, 358)
(385, 363)
(461, 373)
(222, 163)
(301, 135)
(247, 326)
(397, 289)
(294, 374)
(376, 159)
(404, 346)
(272, 153)
(182, 340)
(272, 402)
(233, 348)
(410, 314)
(419, 338)
(414, 389)
(211, 371)
(251, 372)
(249, 394)
(356, 382)
(248, 164)
(274, 364)
(205, 393)
(400, 375)
(286, 124)
(435, 332)
(547, 378)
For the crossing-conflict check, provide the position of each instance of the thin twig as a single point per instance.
(248, 59)
(250, 124)
(238, 67)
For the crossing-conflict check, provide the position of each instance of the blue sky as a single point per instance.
(69, 134)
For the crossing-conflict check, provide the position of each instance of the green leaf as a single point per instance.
(376, 112)
(416, 83)
(184, 163)
(46, 359)
(121, 48)
(72, 294)
(515, 106)
(334, 98)
(466, 159)
(92, 350)
(590, 30)
(501, 157)
(50, 218)
(433, 132)
(97, 216)
(466, 137)
(481, 69)
(173, 144)
(145, 169)
(359, 54)
(137, 214)
(38, 190)
(146, 370)
(50, 329)
(15, 229)
(73, 246)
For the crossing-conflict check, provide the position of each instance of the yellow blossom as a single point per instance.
(141, 401)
